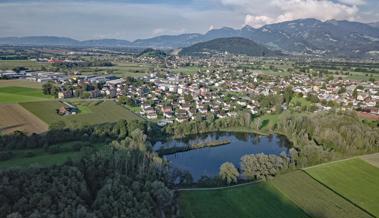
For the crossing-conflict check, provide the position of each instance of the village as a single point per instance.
(221, 90)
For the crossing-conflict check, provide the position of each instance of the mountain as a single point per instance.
(304, 36)
(375, 24)
(106, 43)
(39, 41)
(233, 45)
(166, 41)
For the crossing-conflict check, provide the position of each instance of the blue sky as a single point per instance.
(133, 19)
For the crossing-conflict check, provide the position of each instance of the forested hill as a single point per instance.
(233, 45)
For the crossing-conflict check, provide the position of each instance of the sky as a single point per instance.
(135, 19)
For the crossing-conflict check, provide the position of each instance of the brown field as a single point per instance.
(14, 117)
(372, 159)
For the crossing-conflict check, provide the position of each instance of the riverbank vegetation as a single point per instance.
(176, 149)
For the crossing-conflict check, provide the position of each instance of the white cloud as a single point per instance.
(261, 12)
(353, 2)
(258, 21)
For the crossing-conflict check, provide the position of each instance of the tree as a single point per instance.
(229, 173)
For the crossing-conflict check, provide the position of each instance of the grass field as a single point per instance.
(14, 94)
(354, 179)
(20, 83)
(14, 117)
(95, 113)
(10, 64)
(125, 69)
(255, 201)
(42, 158)
(372, 159)
(314, 198)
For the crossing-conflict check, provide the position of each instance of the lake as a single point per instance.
(207, 161)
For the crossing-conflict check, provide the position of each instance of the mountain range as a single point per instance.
(304, 36)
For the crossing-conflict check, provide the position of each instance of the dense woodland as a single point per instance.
(90, 134)
(123, 180)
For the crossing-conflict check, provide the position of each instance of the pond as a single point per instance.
(207, 161)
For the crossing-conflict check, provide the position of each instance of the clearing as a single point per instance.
(256, 200)
(14, 117)
(42, 158)
(314, 198)
(354, 179)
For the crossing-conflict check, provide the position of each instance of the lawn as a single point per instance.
(354, 179)
(13, 94)
(255, 201)
(93, 112)
(314, 198)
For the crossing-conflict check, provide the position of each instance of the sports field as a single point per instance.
(94, 112)
(14, 117)
(314, 198)
(14, 94)
(354, 179)
(255, 201)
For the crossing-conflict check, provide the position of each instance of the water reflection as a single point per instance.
(206, 161)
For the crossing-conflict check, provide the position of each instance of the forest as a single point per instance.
(125, 179)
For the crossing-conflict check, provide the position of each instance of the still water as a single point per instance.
(207, 161)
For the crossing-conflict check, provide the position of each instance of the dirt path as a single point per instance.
(14, 117)
(218, 188)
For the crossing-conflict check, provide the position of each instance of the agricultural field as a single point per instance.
(14, 94)
(354, 179)
(372, 159)
(11, 64)
(14, 117)
(125, 69)
(314, 198)
(93, 112)
(257, 200)
(20, 83)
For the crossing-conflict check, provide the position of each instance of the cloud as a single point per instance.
(261, 12)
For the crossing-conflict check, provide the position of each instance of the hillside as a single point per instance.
(234, 45)
(152, 53)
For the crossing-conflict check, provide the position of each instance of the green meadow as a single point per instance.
(354, 179)
(256, 201)
(13, 94)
